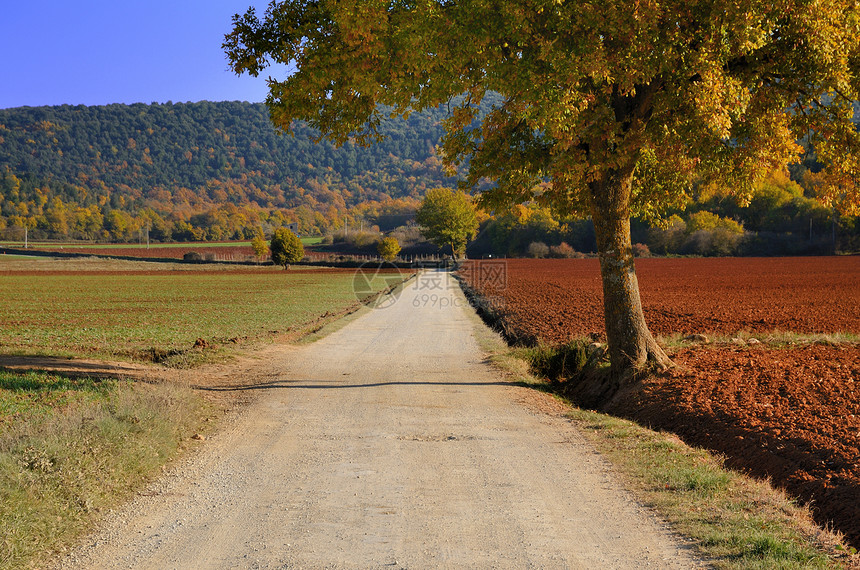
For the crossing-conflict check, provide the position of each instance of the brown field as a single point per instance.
(202, 269)
(788, 411)
(556, 300)
(226, 252)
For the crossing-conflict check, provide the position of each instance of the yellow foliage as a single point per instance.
(388, 248)
(705, 220)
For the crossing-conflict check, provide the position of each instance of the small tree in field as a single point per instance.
(388, 248)
(448, 218)
(258, 244)
(286, 247)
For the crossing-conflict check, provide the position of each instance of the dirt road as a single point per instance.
(389, 444)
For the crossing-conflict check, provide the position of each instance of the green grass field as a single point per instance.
(33, 395)
(71, 448)
(133, 315)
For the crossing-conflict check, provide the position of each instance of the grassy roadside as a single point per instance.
(735, 522)
(72, 448)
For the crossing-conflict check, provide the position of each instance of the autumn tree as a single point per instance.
(448, 219)
(388, 248)
(286, 247)
(609, 109)
(259, 245)
(57, 217)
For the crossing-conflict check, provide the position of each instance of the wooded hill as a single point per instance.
(218, 171)
(169, 166)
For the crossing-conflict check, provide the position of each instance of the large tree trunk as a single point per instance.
(631, 345)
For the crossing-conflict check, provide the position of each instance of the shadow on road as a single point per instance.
(338, 385)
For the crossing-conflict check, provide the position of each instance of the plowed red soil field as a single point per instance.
(559, 299)
(195, 269)
(224, 252)
(791, 414)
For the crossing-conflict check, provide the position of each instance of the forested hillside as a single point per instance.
(199, 171)
(217, 171)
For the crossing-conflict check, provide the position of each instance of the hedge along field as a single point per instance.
(147, 315)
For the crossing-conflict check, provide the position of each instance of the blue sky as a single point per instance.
(96, 52)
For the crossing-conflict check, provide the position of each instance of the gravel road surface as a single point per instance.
(390, 443)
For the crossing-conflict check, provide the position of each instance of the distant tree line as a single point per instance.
(781, 219)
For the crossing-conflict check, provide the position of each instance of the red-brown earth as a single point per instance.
(195, 269)
(208, 252)
(226, 252)
(788, 411)
(559, 299)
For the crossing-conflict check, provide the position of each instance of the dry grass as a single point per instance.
(736, 522)
(76, 447)
(773, 339)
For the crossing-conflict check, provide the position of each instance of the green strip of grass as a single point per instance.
(71, 448)
(29, 396)
(160, 316)
(10, 256)
(737, 522)
(305, 241)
